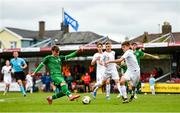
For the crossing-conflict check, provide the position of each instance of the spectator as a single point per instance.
(43, 79)
(86, 79)
(47, 82)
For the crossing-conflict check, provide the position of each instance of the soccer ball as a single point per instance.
(86, 100)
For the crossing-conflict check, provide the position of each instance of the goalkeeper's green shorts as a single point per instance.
(57, 79)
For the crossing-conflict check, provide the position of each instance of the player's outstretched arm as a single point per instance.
(115, 61)
(38, 68)
(74, 54)
(44, 61)
(153, 56)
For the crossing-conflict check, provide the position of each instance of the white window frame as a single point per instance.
(13, 44)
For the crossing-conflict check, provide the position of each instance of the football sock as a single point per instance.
(119, 89)
(65, 90)
(22, 89)
(95, 89)
(97, 85)
(31, 90)
(6, 89)
(123, 90)
(58, 95)
(108, 88)
(133, 91)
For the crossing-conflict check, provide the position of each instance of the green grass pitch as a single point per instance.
(15, 102)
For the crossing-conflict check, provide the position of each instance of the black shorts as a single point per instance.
(20, 76)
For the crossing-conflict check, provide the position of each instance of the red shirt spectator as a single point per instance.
(87, 79)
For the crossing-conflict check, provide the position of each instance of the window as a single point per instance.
(13, 44)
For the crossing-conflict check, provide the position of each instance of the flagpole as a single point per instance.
(63, 15)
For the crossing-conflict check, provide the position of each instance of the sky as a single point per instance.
(114, 18)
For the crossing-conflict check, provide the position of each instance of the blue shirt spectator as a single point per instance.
(47, 82)
(43, 78)
(47, 79)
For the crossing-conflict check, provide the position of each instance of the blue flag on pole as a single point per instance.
(68, 20)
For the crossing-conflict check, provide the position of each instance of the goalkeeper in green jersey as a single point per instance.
(54, 62)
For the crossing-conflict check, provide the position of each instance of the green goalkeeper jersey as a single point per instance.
(54, 63)
(139, 54)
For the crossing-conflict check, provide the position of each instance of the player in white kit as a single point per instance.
(29, 82)
(6, 70)
(111, 70)
(133, 71)
(100, 68)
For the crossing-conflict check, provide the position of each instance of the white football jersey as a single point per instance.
(6, 70)
(131, 60)
(109, 56)
(100, 68)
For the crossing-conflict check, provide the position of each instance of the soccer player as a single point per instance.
(132, 73)
(139, 53)
(18, 65)
(110, 70)
(6, 70)
(100, 68)
(29, 82)
(152, 83)
(54, 62)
